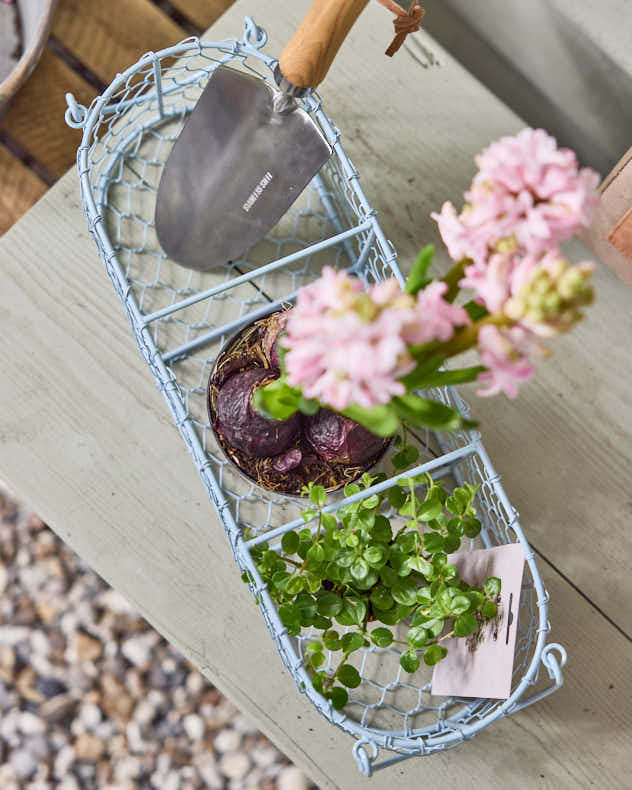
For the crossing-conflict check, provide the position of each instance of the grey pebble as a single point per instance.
(23, 763)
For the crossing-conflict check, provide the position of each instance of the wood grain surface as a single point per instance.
(204, 12)
(86, 439)
(19, 189)
(109, 37)
(35, 118)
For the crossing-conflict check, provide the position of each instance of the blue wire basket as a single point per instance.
(181, 320)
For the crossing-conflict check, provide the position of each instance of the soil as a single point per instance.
(246, 351)
(10, 38)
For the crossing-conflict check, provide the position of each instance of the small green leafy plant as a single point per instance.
(357, 571)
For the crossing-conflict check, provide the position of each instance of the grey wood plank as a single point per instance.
(87, 441)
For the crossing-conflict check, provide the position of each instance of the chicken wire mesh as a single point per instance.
(182, 318)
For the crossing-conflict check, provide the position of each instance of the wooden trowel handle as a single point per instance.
(306, 59)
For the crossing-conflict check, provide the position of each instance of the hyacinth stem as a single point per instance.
(467, 337)
(452, 277)
(462, 340)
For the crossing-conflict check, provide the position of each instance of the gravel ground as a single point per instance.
(92, 697)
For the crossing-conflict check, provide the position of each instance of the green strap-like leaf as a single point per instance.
(418, 279)
(415, 380)
(380, 420)
(446, 378)
(423, 412)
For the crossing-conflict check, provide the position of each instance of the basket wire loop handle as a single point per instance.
(254, 35)
(362, 758)
(553, 667)
(76, 114)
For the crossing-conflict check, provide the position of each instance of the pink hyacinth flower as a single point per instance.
(344, 344)
(528, 191)
(434, 317)
(506, 366)
(491, 282)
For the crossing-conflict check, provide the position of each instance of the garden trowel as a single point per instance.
(248, 150)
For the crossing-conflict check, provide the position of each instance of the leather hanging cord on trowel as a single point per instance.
(404, 22)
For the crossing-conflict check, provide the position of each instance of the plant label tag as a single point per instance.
(481, 665)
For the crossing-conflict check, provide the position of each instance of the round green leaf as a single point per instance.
(353, 611)
(318, 496)
(359, 569)
(434, 627)
(458, 502)
(408, 541)
(396, 496)
(374, 555)
(388, 617)
(433, 542)
(349, 676)
(295, 584)
(329, 521)
(369, 581)
(388, 576)
(455, 527)
(492, 587)
(352, 488)
(381, 598)
(338, 697)
(409, 661)
(476, 599)
(345, 557)
(329, 604)
(289, 543)
(352, 641)
(317, 660)
(451, 544)
(465, 624)
(434, 654)
(313, 582)
(370, 502)
(417, 636)
(316, 553)
(290, 615)
(382, 532)
(320, 622)
(381, 637)
(424, 595)
(280, 579)
(405, 592)
(306, 606)
(460, 604)
(430, 509)
(471, 527)
(489, 610)
(331, 640)
(420, 564)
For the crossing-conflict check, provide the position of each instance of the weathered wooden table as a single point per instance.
(87, 441)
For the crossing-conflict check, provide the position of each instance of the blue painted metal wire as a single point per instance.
(182, 318)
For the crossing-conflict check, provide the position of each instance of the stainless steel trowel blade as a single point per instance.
(242, 159)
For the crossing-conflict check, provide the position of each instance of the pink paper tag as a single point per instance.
(481, 665)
